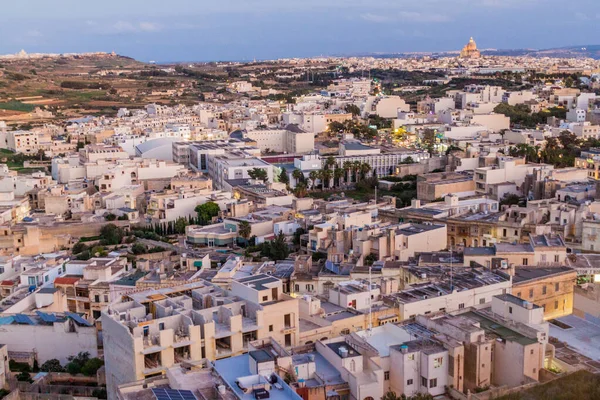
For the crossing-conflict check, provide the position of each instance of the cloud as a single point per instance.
(121, 27)
(406, 16)
(34, 33)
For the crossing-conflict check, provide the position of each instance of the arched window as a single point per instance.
(475, 243)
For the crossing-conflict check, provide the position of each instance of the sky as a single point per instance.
(212, 30)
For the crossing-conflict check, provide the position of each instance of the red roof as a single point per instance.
(7, 283)
(66, 280)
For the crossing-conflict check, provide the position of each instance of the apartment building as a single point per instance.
(150, 331)
(466, 288)
(509, 170)
(384, 106)
(292, 139)
(399, 242)
(551, 289)
(432, 187)
(169, 205)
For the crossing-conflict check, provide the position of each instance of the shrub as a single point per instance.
(52, 365)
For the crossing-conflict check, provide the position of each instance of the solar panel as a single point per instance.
(77, 318)
(48, 318)
(172, 394)
(23, 319)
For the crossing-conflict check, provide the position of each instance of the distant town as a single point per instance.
(331, 228)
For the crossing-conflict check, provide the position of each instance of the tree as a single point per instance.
(330, 162)
(338, 175)
(569, 82)
(111, 234)
(180, 225)
(326, 176)
(206, 212)
(298, 175)
(76, 363)
(79, 247)
(370, 259)
(510, 199)
(52, 365)
(259, 174)
(408, 160)
(390, 395)
(110, 217)
(244, 230)
(92, 366)
(283, 176)
(364, 170)
(300, 191)
(428, 140)
(24, 377)
(139, 248)
(313, 176)
(353, 109)
(335, 127)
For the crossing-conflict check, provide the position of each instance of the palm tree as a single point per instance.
(348, 166)
(356, 169)
(300, 190)
(326, 176)
(313, 176)
(244, 230)
(338, 175)
(298, 176)
(330, 162)
(364, 170)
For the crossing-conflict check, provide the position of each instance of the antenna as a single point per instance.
(451, 271)
(370, 305)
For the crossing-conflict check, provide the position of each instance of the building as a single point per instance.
(549, 288)
(466, 288)
(152, 330)
(48, 336)
(292, 139)
(431, 187)
(470, 50)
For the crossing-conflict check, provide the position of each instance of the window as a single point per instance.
(352, 366)
(461, 306)
(519, 294)
(386, 375)
(531, 293)
(437, 362)
(433, 383)
(525, 261)
(556, 258)
(556, 287)
(288, 340)
(411, 357)
(534, 370)
(97, 298)
(556, 304)
(46, 278)
(409, 382)
(106, 298)
(270, 328)
(423, 381)
(504, 232)
(510, 310)
(296, 288)
(544, 289)
(450, 365)
(482, 300)
(265, 298)
(161, 326)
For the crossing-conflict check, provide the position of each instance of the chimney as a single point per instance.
(415, 203)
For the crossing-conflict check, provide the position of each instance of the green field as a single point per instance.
(14, 105)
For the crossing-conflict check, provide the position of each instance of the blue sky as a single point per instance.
(198, 30)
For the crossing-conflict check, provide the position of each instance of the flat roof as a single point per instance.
(515, 300)
(496, 329)
(528, 274)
